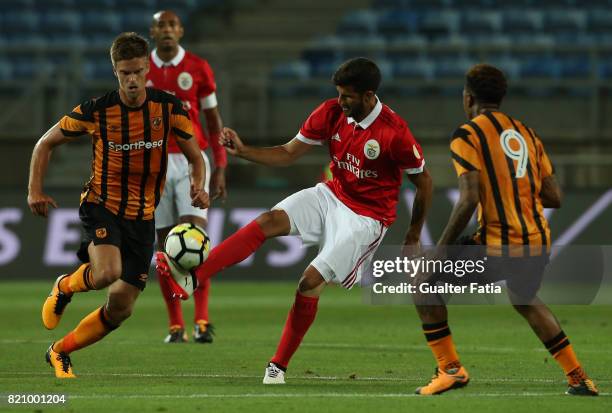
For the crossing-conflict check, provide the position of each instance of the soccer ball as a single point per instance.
(187, 245)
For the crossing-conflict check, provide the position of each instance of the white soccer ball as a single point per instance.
(187, 245)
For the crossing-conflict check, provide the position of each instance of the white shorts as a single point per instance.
(176, 199)
(347, 241)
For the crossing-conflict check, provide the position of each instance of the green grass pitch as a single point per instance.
(355, 358)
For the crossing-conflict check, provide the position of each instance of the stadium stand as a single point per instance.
(273, 68)
(424, 27)
(64, 24)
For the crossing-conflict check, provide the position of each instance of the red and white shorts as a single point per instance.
(347, 241)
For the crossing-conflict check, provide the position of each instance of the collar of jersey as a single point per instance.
(174, 62)
(117, 97)
(368, 120)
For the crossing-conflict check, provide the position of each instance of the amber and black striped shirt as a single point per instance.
(129, 149)
(512, 164)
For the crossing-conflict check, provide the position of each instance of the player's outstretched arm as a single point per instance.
(38, 201)
(214, 124)
(422, 201)
(469, 197)
(197, 171)
(550, 193)
(281, 155)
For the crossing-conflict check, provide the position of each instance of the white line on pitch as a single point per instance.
(300, 377)
(390, 347)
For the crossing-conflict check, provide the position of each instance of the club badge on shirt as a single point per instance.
(156, 123)
(185, 81)
(371, 149)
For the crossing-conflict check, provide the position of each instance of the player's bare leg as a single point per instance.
(274, 223)
(103, 268)
(546, 326)
(300, 318)
(105, 264)
(431, 314)
(312, 283)
(120, 302)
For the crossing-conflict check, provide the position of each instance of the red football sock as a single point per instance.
(301, 316)
(173, 304)
(231, 251)
(200, 298)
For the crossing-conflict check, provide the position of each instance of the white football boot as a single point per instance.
(274, 375)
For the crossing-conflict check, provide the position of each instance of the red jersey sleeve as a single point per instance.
(208, 85)
(407, 152)
(316, 129)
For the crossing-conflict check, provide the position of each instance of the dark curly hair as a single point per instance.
(360, 73)
(486, 83)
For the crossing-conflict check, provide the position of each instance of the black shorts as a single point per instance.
(523, 275)
(134, 238)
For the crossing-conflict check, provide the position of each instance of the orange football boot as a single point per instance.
(442, 381)
(54, 305)
(61, 363)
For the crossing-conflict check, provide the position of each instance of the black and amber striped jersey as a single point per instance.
(129, 149)
(512, 164)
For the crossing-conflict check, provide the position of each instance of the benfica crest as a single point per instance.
(185, 81)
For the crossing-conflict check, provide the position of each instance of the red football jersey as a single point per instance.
(368, 158)
(189, 78)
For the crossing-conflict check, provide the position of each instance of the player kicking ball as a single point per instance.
(371, 148)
